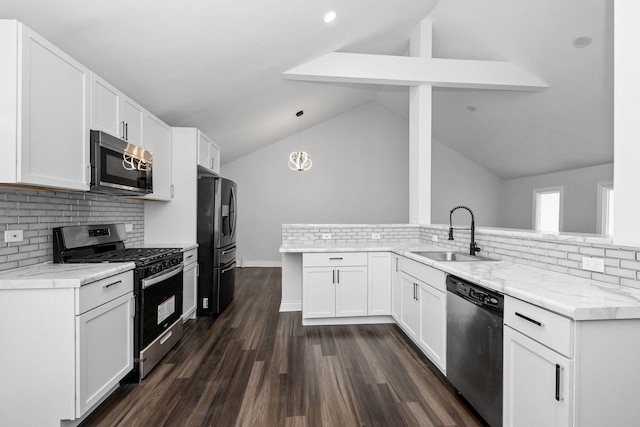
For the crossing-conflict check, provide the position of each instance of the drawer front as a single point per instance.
(547, 328)
(97, 293)
(431, 276)
(334, 259)
(190, 256)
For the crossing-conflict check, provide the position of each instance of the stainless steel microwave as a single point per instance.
(118, 167)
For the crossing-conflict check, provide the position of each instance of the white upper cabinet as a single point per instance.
(44, 133)
(132, 117)
(158, 140)
(113, 112)
(208, 154)
(105, 107)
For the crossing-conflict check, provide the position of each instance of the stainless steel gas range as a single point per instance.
(158, 281)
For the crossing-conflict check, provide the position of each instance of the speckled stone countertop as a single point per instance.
(570, 296)
(58, 276)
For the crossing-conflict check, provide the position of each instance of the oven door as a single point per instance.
(161, 303)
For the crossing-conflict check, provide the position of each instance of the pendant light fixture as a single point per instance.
(300, 160)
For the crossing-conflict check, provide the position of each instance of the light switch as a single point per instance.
(593, 264)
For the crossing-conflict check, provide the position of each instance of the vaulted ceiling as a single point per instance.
(218, 65)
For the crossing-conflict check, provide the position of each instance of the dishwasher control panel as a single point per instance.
(475, 293)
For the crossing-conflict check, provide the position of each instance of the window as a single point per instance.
(548, 209)
(605, 208)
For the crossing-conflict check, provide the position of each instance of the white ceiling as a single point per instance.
(218, 65)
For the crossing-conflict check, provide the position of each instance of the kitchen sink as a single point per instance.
(450, 256)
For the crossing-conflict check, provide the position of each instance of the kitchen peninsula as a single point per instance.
(562, 328)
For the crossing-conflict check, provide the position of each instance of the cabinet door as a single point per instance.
(409, 309)
(318, 292)
(54, 145)
(537, 383)
(351, 291)
(104, 345)
(132, 116)
(204, 148)
(157, 139)
(189, 291)
(379, 283)
(396, 290)
(432, 336)
(105, 107)
(214, 154)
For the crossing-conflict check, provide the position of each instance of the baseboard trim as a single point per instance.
(290, 306)
(261, 263)
(362, 320)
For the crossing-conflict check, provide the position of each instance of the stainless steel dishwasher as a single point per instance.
(474, 346)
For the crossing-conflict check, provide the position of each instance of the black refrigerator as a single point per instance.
(216, 233)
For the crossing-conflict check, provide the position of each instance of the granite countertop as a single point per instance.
(58, 276)
(570, 296)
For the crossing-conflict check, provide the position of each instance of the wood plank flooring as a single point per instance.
(254, 366)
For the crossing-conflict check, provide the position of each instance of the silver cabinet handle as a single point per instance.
(190, 256)
(338, 275)
(124, 136)
(333, 280)
(112, 284)
(335, 259)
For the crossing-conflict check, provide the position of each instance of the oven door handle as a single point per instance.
(160, 277)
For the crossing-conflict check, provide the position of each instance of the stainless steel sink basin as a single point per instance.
(450, 256)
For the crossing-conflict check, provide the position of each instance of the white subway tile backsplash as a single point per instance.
(37, 212)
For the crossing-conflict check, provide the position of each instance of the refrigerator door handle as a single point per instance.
(228, 269)
(232, 212)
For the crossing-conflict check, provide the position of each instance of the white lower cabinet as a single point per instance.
(423, 315)
(537, 383)
(396, 289)
(410, 306)
(105, 347)
(68, 354)
(190, 284)
(334, 292)
(379, 283)
(334, 285)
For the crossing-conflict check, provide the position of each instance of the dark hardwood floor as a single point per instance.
(254, 366)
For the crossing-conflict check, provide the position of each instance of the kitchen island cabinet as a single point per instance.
(69, 329)
(334, 285)
(44, 129)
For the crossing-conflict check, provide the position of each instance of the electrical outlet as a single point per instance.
(326, 236)
(13, 236)
(205, 302)
(593, 264)
(375, 236)
(128, 228)
(434, 238)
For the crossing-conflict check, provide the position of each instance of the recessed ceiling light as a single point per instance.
(329, 17)
(472, 108)
(582, 41)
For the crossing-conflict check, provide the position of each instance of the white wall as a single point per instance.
(359, 175)
(627, 111)
(456, 180)
(580, 197)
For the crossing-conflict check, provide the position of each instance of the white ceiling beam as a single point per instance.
(338, 67)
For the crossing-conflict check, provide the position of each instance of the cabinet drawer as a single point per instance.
(547, 328)
(334, 259)
(97, 293)
(190, 256)
(426, 274)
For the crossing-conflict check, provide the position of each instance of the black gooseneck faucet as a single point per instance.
(473, 246)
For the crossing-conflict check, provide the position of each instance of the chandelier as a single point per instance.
(300, 160)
